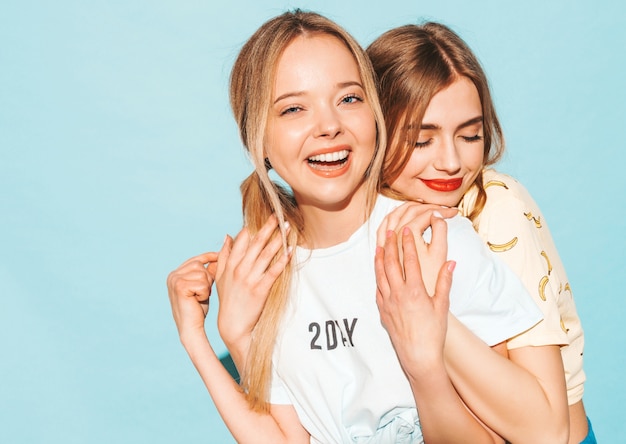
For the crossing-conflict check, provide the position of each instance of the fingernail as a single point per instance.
(287, 226)
(406, 230)
(437, 214)
(289, 250)
(389, 233)
(451, 266)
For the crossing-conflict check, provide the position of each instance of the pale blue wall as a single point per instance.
(119, 159)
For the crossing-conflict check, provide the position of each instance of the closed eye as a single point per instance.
(419, 144)
(471, 139)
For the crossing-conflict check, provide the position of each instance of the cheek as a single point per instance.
(473, 159)
(364, 126)
(417, 164)
(282, 142)
(401, 185)
(405, 182)
(473, 162)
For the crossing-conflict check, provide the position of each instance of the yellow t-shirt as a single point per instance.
(512, 226)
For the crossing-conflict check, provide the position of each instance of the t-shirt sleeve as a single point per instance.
(512, 230)
(278, 391)
(486, 296)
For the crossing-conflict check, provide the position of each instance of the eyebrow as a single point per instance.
(340, 85)
(470, 122)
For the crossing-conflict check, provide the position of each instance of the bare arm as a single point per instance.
(530, 400)
(280, 425)
(417, 324)
(189, 290)
(244, 276)
(524, 398)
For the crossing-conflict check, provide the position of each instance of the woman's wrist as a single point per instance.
(424, 367)
(238, 349)
(191, 337)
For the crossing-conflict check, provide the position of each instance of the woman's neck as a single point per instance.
(332, 225)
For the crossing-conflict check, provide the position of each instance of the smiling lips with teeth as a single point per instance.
(329, 161)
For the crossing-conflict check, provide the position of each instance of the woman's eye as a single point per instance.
(423, 144)
(475, 138)
(351, 98)
(290, 110)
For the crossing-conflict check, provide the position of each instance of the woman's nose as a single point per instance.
(448, 159)
(328, 124)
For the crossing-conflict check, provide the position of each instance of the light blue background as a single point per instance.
(119, 159)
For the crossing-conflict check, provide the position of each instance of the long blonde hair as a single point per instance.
(251, 88)
(413, 63)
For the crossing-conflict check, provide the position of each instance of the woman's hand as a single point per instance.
(418, 327)
(415, 321)
(418, 217)
(246, 271)
(414, 215)
(189, 288)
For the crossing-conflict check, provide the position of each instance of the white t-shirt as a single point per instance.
(334, 360)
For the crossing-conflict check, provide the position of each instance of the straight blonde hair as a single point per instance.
(251, 89)
(413, 63)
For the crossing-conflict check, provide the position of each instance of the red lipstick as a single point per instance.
(443, 185)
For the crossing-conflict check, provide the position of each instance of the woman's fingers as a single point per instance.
(447, 212)
(237, 249)
(270, 275)
(394, 270)
(191, 280)
(417, 216)
(248, 267)
(189, 289)
(411, 263)
(211, 269)
(271, 244)
(252, 255)
(392, 260)
(382, 284)
(443, 285)
(391, 222)
(203, 258)
(197, 285)
(412, 214)
(439, 241)
(223, 256)
(251, 246)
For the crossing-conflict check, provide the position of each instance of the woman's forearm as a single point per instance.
(443, 416)
(523, 401)
(238, 352)
(246, 425)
